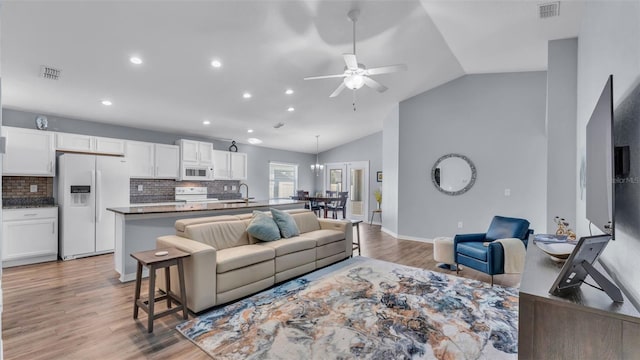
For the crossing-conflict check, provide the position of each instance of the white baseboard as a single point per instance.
(406, 237)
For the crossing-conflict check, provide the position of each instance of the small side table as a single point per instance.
(376, 211)
(356, 245)
(153, 262)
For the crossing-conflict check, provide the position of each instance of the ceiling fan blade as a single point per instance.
(351, 61)
(338, 90)
(386, 69)
(324, 77)
(374, 84)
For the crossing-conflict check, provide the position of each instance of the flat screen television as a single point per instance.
(600, 163)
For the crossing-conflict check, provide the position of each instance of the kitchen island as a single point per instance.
(137, 227)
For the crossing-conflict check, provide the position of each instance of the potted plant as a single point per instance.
(378, 195)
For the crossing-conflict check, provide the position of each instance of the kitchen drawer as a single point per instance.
(29, 213)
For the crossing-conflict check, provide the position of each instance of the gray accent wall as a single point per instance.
(562, 179)
(258, 157)
(368, 148)
(608, 44)
(498, 121)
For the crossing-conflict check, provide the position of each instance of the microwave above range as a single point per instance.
(197, 173)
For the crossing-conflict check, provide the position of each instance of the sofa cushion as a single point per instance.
(473, 249)
(323, 237)
(220, 235)
(291, 245)
(263, 227)
(287, 225)
(241, 256)
(307, 221)
(182, 224)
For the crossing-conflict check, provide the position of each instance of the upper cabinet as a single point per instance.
(229, 165)
(153, 161)
(28, 152)
(195, 152)
(89, 144)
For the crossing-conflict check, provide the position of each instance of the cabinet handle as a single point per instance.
(157, 170)
(30, 214)
(50, 166)
(53, 227)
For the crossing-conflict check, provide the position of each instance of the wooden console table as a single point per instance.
(587, 325)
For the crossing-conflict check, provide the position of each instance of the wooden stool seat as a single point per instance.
(154, 262)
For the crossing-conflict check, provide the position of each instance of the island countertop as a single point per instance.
(194, 207)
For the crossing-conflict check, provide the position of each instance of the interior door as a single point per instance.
(354, 178)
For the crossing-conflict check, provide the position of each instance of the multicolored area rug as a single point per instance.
(365, 309)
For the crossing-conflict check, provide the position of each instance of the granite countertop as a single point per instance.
(186, 207)
(26, 206)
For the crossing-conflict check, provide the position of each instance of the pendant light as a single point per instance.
(317, 168)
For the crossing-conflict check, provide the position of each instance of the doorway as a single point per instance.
(354, 178)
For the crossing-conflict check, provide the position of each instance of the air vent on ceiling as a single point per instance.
(278, 125)
(50, 73)
(548, 10)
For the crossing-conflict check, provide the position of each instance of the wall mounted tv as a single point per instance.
(600, 162)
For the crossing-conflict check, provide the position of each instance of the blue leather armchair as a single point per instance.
(470, 251)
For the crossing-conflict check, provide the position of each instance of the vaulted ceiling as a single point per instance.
(265, 47)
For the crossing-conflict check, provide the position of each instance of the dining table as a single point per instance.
(318, 199)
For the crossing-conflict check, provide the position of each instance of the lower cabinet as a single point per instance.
(29, 236)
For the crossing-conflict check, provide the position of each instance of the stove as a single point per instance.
(193, 195)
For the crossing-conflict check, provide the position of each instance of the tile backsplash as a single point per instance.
(159, 190)
(16, 190)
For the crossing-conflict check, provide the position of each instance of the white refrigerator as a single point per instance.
(87, 186)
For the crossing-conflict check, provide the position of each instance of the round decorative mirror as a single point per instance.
(453, 174)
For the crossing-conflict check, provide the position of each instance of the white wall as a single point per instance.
(608, 43)
(562, 177)
(498, 121)
(390, 161)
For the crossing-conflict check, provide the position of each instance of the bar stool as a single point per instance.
(356, 245)
(376, 211)
(160, 259)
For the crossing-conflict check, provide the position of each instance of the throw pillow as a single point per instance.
(286, 223)
(262, 227)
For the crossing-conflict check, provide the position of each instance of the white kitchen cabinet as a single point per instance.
(195, 152)
(167, 161)
(29, 236)
(153, 161)
(28, 152)
(89, 144)
(229, 165)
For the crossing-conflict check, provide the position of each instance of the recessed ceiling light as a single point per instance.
(250, 131)
(206, 122)
(135, 60)
(246, 95)
(254, 141)
(291, 109)
(289, 91)
(106, 103)
(216, 63)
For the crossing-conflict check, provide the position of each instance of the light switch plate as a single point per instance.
(507, 192)
(234, 188)
(33, 188)
(140, 187)
(226, 188)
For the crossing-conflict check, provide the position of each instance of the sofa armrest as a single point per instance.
(199, 271)
(343, 226)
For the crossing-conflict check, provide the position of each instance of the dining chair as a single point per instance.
(340, 205)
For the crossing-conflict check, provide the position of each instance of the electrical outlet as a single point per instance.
(234, 188)
(226, 188)
(140, 187)
(33, 188)
(459, 224)
(507, 192)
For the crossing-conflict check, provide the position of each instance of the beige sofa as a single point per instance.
(227, 263)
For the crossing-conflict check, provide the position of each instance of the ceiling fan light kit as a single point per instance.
(355, 74)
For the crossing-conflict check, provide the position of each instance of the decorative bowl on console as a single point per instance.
(557, 251)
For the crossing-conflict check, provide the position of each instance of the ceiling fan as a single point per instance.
(356, 74)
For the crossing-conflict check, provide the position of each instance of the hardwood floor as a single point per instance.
(79, 310)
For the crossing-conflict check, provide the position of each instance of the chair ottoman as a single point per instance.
(443, 252)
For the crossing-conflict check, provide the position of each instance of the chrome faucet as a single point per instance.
(246, 200)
